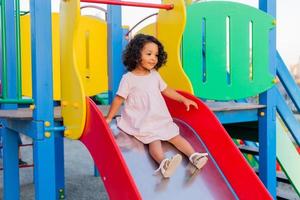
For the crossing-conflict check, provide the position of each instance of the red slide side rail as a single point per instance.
(240, 175)
(129, 3)
(100, 142)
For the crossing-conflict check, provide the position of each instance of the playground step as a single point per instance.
(281, 177)
(286, 192)
(249, 150)
(245, 130)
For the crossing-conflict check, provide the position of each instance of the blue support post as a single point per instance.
(115, 34)
(60, 172)
(10, 165)
(45, 174)
(10, 138)
(1, 67)
(267, 119)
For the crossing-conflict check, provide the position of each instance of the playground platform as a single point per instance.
(221, 109)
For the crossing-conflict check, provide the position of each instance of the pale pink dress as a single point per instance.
(145, 114)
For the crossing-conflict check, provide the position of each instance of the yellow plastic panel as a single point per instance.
(26, 56)
(170, 27)
(92, 51)
(150, 29)
(72, 91)
(91, 54)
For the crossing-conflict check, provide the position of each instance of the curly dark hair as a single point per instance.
(132, 53)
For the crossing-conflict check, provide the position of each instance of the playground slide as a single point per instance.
(287, 156)
(127, 170)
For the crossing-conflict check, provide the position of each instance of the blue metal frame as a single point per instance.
(11, 186)
(10, 137)
(48, 156)
(267, 122)
(288, 82)
(115, 41)
(47, 171)
(228, 117)
(288, 117)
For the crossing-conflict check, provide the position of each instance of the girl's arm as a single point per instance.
(114, 108)
(172, 94)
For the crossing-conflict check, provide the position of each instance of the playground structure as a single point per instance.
(219, 62)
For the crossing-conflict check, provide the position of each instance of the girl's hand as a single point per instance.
(108, 120)
(188, 103)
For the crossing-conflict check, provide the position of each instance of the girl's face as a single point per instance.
(149, 55)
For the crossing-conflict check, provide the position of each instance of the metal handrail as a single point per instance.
(288, 82)
(96, 7)
(130, 30)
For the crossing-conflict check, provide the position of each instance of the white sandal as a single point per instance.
(168, 166)
(198, 159)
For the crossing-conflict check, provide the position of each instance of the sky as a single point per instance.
(288, 30)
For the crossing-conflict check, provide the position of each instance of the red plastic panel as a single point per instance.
(99, 140)
(240, 175)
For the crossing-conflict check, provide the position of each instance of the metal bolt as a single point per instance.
(47, 134)
(47, 124)
(32, 107)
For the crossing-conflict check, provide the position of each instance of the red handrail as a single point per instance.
(135, 4)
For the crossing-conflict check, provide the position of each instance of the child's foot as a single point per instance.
(198, 159)
(168, 166)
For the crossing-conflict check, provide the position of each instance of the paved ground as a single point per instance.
(79, 180)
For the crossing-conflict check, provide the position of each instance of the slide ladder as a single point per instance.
(287, 155)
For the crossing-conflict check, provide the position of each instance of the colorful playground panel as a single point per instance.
(170, 26)
(91, 55)
(73, 102)
(225, 48)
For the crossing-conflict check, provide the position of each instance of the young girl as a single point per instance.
(145, 115)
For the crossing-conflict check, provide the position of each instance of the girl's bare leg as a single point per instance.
(156, 151)
(182, 145)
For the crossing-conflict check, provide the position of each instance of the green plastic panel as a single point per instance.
(287, 156)
(225, 50)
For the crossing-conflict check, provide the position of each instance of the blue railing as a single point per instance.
(288, 117)
(288, 82)
(293, 91)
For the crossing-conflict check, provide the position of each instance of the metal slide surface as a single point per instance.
(127, 169)
(186, 183)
